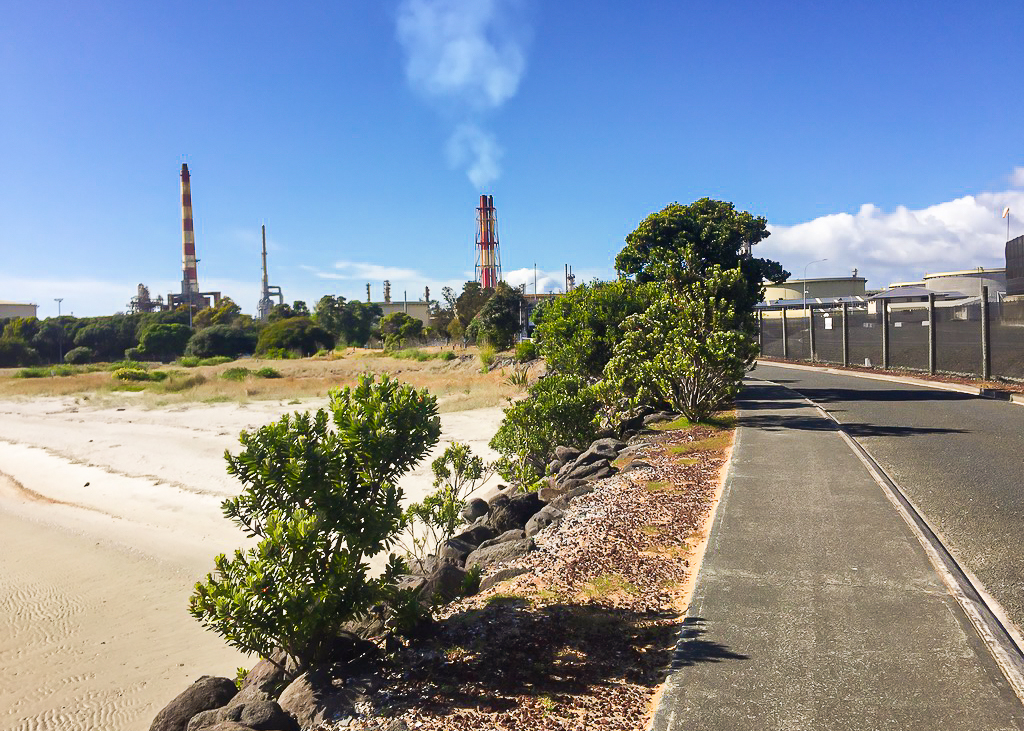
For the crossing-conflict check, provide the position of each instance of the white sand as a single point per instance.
(108, 516)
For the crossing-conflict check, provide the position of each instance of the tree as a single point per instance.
(689, 350)
(498, 321)
(280, 312)
(470, 301)
(351, 322)
(441, 316)
(15, 352)
(224, 313)
(296, 334)
(321, 496)
(164, 342)
(579, 330)
(222, 340)
(21, 328)
(300, 309)
(399, 328)
(679, 244)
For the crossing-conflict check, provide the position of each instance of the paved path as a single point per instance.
(816, 607)
(959, 459)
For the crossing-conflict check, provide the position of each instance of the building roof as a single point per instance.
(913, 291)
(852, 299)
(19, 304)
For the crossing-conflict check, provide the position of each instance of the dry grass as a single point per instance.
(458, 384)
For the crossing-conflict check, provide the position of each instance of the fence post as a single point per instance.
(986, 335)
(810, 329)
(846, 333)
(931, 333)
(885, 334)
(785, 337)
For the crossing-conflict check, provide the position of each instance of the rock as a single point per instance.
(203, 695)
(553, 466)
(454, 550)
(562, 503)
(411, 582)
(267, 677)
(607, 448)
(312, 698)
(636, 464)
(542, 519)
(397, 724)
(499, 553)
(229, 726)
(659, 417)
(474, 509)
(445, 582)
(501, 575)
(476, 534)
(423, 567)
(514, 513)
(509, 535)
(366, 627)
(257, 715)
(595, 470)
(566, 454)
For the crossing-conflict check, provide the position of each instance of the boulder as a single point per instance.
(636, 464)
(476, 534)
(542, 519)
(514, 513)
(424, 566)
(498, 553)
(553, 466)
(566, 454)
(594, 470)
(266, 677)
(312, 699)
(410, 582)
(203, 695)
(445, 582)
(501, 575)
(454, 550)
(509, 535)
(257, 715)
(474, 509)
(562, 503)
(659, 417)
(607, 448)
(229, 726)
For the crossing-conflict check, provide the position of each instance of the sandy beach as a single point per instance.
(108, 515)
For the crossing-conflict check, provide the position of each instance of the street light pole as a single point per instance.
(810, 322)
(60, 332)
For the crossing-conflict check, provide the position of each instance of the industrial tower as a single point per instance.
(267, 291)
(190, 294)
(488, 257)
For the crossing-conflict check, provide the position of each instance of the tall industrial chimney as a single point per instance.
(488, 257)
(189, 276)
(267, 291)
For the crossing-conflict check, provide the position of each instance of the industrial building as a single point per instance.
(17, 309)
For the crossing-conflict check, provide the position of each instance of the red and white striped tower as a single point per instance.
(488, 257)
(189, 277)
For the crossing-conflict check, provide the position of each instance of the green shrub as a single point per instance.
(447, 355)
(131, 373)
(163, 341)
(79, 356)
(321, 497)
(412, 354)
(560, 410)
(279, 354)
(134, 354)
(298, 334)
(189, 361)
(236, 374)
(487, 353)
(177, 382)
(15, 353)
(267, 372)
(526, 351)
(221, 340)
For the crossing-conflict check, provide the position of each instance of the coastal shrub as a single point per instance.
(560, 410)
(15, 353)
(320, 497)
(526, 351)
(163, 342)
(267, 372)
(298, 334)
(279, 354)
(79, 356)
(236, 374)
(134, 354)
(131, 373)
(447, 355)
(487, 354)
(688, 351)
(457, 473)
(192, 361)
(221, 340)
(177, 381)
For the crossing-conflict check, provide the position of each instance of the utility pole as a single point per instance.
(60, 332)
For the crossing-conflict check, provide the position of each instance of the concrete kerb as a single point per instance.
(1015, 398)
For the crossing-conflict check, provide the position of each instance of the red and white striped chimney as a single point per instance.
(189, 276)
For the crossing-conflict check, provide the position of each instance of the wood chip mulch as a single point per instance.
(585, 638)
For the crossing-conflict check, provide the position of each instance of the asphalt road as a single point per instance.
(959, 459)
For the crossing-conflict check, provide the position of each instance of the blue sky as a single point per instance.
(886, 138)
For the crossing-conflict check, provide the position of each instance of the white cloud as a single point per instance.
(898, 245)
(363, 271)
(477, 151)
(1017, 177)
(468, 56)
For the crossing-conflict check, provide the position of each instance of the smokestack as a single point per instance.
(189, 276)
(488, 258)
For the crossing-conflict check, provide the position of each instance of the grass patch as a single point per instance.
(723, 420)
(133, 373)
(650, 530)
(177, 382)
(446, 355)
(711, 444)
(506, 599)
(220, 399)
(487, 353)
(657, 486)
(192, 361)
(606, 585)
(48, 371)
(236, 374)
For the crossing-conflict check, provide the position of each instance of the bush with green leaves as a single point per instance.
(526, 351)
(15, 352)
(579, 330)
(321, 497)
(163, 342)
(79, 356)
(296, 334)
(689, 351)
(446, 355)
(131, 373)
(498, 321)
(560, 410)
(221, 340)
(457, 474)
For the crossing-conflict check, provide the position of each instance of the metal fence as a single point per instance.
(979, 338)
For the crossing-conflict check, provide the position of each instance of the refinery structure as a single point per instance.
(267, 292)
(488, 257)
(190, 294)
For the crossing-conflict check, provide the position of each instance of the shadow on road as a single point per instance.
(834, 395)
(691, 650)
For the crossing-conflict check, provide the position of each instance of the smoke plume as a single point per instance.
(467, 56)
